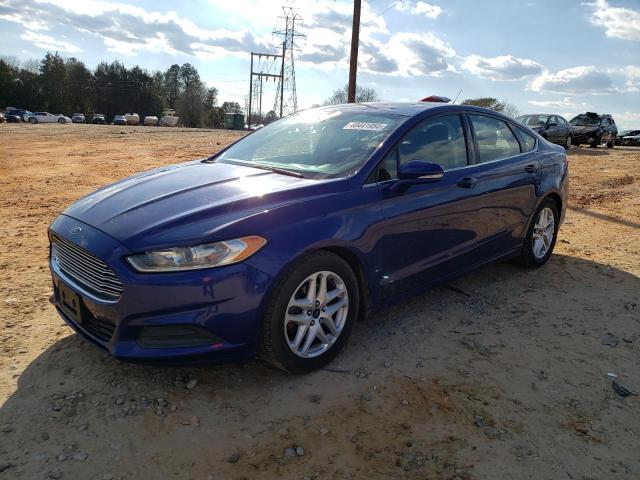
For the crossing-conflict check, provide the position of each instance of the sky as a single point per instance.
(543, 56)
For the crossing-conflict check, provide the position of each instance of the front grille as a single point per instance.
(86, 269)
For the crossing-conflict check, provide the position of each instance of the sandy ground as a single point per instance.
(501, 374)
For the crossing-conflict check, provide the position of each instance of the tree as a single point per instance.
(511, 110)
(172, 85)
(231, 107)
(485, 102)
(191, 98)
(363, 94)
(54, 81)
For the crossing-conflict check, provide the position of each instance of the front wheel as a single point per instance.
(568, 142)
(62, 120)
(611, 143)
(33, 120)
(596, 142)
(311, 313)
(541, 236)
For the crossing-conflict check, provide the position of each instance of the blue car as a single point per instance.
(278, 244)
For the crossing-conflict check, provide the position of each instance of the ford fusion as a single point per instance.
(277, 245)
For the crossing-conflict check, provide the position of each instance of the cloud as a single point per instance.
(420, 8)
(503, 67)
(124, 29)
(49, 43)
(566, 102)
(421, 54)
(623, 23)
(575, 80)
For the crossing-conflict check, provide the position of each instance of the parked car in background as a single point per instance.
(551, 127)
(78, 118)
(594, 129)
(21, 113)
(150, 121)
(279, 243)
(46, 117)
(98, 118)
(629, 138)
(12, 118)
(2, 119)
(119, 120)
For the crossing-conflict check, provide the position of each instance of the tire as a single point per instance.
(530, 256)
(596, 142)
(611, 143)
(61, 121)
(568, 142)
(33, 120)
(279, 331)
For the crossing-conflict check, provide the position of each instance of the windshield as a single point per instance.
(583, 120)
(328, 142)
(534, 120)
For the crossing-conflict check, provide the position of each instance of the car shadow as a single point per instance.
(72, 388)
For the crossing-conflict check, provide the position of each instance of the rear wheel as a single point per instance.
(311, 314)
(62, 120)
(541, 236)
(33, 120)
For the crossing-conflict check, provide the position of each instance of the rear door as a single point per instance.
(506, 174)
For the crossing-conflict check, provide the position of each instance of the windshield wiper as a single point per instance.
(281, 171)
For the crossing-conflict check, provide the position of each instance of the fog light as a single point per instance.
(176, 336)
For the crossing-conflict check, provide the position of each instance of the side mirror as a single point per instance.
(419, 171)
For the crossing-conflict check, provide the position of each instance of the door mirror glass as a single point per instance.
(420, 171)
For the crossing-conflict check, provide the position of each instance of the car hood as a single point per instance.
(194, 201)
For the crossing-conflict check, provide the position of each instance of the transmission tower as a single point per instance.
(288, 101)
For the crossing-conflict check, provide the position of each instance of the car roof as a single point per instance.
(407, 109)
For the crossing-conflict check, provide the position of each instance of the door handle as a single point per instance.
(530, 169)
(468, 182)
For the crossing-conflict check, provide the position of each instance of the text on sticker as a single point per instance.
(365, 126)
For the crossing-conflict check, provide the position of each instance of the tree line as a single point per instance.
(65, 85)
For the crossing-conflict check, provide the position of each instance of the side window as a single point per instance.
(387, 169)
(438, 140)
(527, 142)
(562, 121)
(605, 122)
(494, 138)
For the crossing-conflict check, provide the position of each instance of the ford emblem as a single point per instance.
(75, 230)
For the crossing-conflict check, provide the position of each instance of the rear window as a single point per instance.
(527, 142)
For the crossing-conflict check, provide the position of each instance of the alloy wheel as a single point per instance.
(316, 314)
(543, 232)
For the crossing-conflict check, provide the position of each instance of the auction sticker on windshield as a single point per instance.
(376, 127)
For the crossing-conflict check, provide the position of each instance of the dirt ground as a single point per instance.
(501, 374)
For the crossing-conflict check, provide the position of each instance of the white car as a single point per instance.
(46, 117)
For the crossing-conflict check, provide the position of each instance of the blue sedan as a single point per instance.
(278, 244)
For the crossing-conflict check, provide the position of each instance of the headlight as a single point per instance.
(207, 255)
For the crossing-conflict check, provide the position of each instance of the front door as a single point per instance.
(428, 228)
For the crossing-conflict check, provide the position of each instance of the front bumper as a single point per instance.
(586, 137)
(220, 305)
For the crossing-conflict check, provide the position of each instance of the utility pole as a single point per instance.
(255, 90)
(353, 63)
